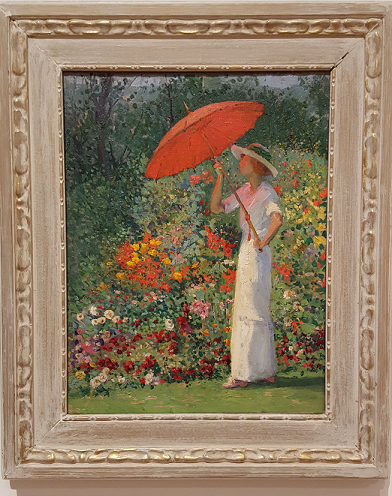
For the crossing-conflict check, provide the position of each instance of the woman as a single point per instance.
(252, 343)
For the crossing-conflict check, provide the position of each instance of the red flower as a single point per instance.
(128, 366)
(194, 178)
(278, 190)
(324, 193)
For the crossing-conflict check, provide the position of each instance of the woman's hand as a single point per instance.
(219, 171)
(259, 244)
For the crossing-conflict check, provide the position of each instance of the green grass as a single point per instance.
(286, 395)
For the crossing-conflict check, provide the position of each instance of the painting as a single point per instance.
(196, 242)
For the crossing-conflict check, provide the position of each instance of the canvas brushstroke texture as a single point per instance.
(152, 271)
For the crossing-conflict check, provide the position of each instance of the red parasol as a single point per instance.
(201, 135)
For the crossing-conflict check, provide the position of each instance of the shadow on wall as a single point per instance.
(197, 487)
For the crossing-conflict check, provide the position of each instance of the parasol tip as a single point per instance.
(187, 108)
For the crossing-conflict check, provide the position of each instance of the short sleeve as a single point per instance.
(230, 204)
(273, 207)
(272, 203)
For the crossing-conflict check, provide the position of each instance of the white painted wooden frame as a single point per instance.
(41, 40)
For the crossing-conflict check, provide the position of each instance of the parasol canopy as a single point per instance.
(201, 135)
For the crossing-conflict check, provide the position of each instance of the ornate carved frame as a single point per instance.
(38, 43)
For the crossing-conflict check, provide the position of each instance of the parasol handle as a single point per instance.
(247, 216)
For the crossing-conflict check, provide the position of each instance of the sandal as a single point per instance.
(269, 380)
(234, 383)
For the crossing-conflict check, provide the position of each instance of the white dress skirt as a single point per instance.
(252, 340)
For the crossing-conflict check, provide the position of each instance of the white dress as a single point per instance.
(252, 341)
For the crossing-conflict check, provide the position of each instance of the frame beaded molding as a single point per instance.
(21, 30)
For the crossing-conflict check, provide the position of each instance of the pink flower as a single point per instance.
(200, 308)
(194, 178)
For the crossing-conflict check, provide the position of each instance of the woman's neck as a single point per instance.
(255, 180)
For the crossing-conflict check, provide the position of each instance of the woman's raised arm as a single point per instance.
(216, 205)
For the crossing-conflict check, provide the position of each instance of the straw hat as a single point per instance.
(250, 150)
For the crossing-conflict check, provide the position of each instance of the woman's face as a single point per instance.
(246, 165)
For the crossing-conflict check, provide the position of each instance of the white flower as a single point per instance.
(134, 302)
(149, 377)
(80, 317)
(95, 322)
(109, 314)
(288, 294)
(102, 377)
(291, 348)
(151, 380)
(125, 319)
(94, 382)
(121, 380)
(106, 370)
(228, 262)
(300, 352)
(101, 320)
(115, 319)
(93, 310)
(169, 324)
(287, 322)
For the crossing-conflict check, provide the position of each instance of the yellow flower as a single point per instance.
(177, 276)
(205, 332)
(195, 265)
(228, 329)
(321, 227)
(153, 253)
(130, 263)
(109, 263)
(80, 375)
(136, 246)
(166, 261)
(120, 276)
(227, 342)
(155, 242)
(321, 214)
(143, 248)
(320, 240)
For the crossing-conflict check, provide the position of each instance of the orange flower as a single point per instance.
(120, 276)
(205, 332)
(324, 193)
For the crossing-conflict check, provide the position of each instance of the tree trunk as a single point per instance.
(102, 113)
